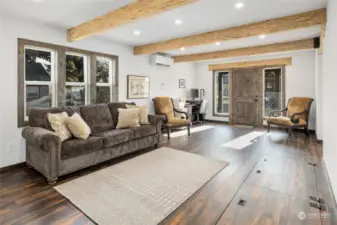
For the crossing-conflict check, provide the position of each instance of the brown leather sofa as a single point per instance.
(46, 153)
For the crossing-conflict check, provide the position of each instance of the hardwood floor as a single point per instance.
(268, 182)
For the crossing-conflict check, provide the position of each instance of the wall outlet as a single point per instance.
(11, 147)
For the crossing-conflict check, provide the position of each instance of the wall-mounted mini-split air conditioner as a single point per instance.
(161, 60)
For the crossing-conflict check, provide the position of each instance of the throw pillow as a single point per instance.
(143, 113)
(78, 126)
(58, 125)
(128, 118)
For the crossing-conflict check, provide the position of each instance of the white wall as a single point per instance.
(300, 77)
(330, 94)
(163, 81)
(318, 93)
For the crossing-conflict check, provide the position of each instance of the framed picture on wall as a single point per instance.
(138, 87)
(182, 83)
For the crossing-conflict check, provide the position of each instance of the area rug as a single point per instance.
(193, 130)
(143, 190)
(243, 141)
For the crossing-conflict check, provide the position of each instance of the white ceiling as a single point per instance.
(202, 16)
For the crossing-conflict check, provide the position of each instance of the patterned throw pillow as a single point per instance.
(78, 126)
(128, 118)
(57, 123)
(143, 113)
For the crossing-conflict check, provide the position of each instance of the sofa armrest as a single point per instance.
(155, 119)
(41, 138)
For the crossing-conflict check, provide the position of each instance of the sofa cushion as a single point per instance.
(114, 106)
(38, 116)
(144, 131)
(57, 122)
(76, 147)
(115, 137)
(78, 127)
(72, 109)
(285, 121)
(98, 117)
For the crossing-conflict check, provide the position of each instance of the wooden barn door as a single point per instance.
(245, 96)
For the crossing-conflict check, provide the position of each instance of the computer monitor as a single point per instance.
(194, 93)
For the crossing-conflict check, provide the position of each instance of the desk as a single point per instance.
(193, 110)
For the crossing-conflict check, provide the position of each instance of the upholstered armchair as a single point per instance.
(164, 107)
(296, 115)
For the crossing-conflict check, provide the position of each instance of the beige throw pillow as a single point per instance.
(128, 118)
(143, 113)
(78, 127)
(57, 123)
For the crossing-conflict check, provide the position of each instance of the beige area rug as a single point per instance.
(143, 190)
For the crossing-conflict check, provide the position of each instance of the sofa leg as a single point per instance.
(52, 181)
(28, 166)
(156, 145)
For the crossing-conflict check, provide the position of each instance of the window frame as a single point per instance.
(51, 83)
(86, 76)
(215, 74)
(110, 83)
(59, 77)
(282, 68)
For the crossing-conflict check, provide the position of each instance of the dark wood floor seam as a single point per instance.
(236, 192)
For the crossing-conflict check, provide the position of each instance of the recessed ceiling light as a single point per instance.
(239, 5)
(182, 49)
(136, 32)
(262, 36)
(178, 22)
(217, 43)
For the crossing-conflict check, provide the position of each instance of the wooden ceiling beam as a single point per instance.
(127, 14)
(247, 64)
(255, 50)
(301, 20)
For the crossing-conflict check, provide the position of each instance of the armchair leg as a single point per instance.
(306, 131)
(168, 134)
(189, 130)
(268, 128)
(290, 132)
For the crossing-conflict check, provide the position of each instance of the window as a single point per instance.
(52, 75)
(221, 93)
(39, 74)
(273, 90)
(104, 80)
(76, 79)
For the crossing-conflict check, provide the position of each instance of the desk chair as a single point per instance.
(200, 111)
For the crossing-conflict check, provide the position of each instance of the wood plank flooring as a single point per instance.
(268, 182)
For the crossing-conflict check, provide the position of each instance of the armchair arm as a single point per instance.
(277, 111)
(41, 138)
(182, 112)
(293, 118)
